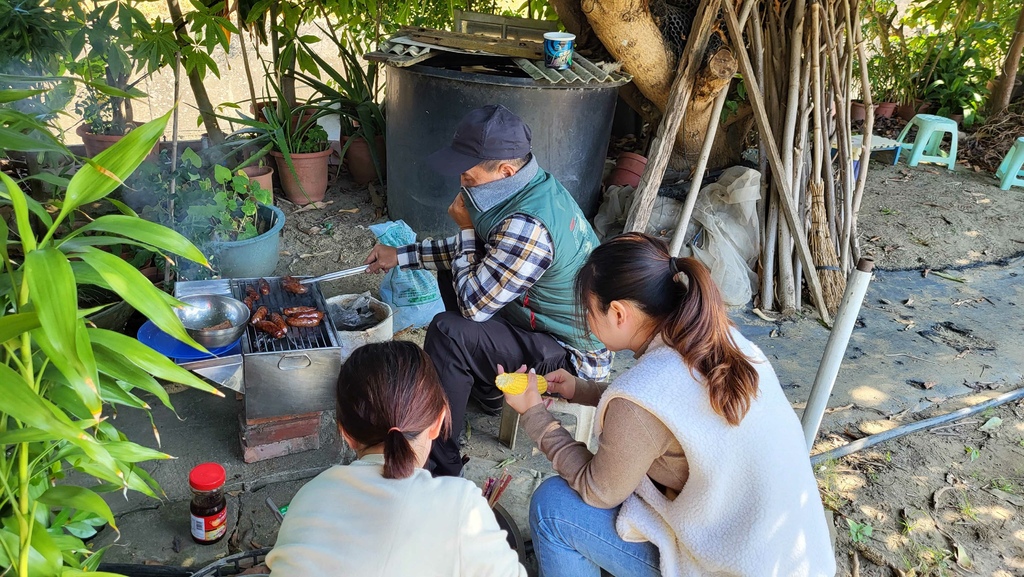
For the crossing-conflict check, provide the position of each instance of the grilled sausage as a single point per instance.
(248, 302)
(280, 322)
(264, 286)
(252, 293)
(292, 285)
(258, 316)
(297, 310)
(308, 315)
(303, 321)
(270, 328)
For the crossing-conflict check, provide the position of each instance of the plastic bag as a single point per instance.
(730, 241)
(611, 216)
(354, 316)
(412, 294)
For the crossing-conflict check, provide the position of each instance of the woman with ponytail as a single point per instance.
(701, 466)
(384, 515)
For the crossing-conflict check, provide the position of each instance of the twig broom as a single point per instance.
(833, 283)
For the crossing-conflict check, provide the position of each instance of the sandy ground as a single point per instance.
(928, 217)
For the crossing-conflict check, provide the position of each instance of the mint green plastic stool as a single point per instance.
(925, 148)
(1010, 168)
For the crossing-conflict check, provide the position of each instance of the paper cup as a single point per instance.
(558, 50)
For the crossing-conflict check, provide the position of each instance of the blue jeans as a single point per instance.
(574, 539)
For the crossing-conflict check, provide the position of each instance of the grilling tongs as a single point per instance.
(335, 275)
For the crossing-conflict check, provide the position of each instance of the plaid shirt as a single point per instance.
(517, 253)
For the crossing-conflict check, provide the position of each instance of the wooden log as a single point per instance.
(761, 118)
(678, 100)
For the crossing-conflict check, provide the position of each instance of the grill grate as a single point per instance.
(298, 338)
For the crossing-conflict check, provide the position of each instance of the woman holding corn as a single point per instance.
(701, 466)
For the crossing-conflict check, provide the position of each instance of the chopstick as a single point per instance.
(493, 488)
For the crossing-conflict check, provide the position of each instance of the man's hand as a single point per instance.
(529, 398)
(562, 383)
(381, 259)
(459, 213)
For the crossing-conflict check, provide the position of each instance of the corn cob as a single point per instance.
(516, 383)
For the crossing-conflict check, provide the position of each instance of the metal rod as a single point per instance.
(872, 440)
(835, 348)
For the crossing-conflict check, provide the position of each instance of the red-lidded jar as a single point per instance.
(209, 508)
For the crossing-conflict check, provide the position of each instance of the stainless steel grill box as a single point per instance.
(294, 375)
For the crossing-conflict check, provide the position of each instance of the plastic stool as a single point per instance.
(930, 130)
(509, 427)
(1010, 168)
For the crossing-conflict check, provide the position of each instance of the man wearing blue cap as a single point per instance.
(507, 277)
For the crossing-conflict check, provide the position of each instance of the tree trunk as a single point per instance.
(203, 102)
(626, 29)
(1008, 77)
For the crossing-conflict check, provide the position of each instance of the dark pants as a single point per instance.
(466, 354)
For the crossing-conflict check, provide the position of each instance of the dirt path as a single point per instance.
(928, 217)
(934, 503)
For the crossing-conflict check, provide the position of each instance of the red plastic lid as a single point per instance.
(207, 477)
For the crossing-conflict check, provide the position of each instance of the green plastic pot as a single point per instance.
(254, 257)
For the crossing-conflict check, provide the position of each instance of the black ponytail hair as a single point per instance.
(390, 393)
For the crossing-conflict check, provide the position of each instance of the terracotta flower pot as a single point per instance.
(629, 167)
(359, 161)
(857, 110)
(885, 109)
(261, 174)
(97, 143)
(907, 111)
(311, 169)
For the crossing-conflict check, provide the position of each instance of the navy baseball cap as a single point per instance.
(489, 133)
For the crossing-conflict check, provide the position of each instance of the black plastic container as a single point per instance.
(571, 124)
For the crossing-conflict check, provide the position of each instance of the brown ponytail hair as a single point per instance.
(390, 393)
(680, 297)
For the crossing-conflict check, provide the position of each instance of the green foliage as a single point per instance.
(859, 532)
(942, 51)
(60, 375)
(971, 452)
(212, 202)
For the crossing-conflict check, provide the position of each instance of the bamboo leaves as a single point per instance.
(109, 168)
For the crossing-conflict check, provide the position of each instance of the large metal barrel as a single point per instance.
(571, 124)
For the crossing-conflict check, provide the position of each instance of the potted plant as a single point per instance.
(958, 85)
(302, 156)
(352, 94)
(227, 215)
(62, 377)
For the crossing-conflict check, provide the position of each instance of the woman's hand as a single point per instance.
(562, 383)
(529, 398)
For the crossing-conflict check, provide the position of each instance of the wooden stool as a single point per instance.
(930, 130)
(1009, 170)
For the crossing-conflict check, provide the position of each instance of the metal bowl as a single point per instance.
(203, 311)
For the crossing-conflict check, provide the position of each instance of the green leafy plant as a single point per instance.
(972, 453)
(351, 91)
(62, 377)
(859, 532)
(227, 203)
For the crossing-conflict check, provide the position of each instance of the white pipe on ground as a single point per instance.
(835, 348)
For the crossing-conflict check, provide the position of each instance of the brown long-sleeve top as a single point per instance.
(633, 443)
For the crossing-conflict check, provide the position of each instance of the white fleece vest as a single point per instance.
(750, 506)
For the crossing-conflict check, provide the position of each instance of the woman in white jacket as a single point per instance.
(384, 515)
(701, 467)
